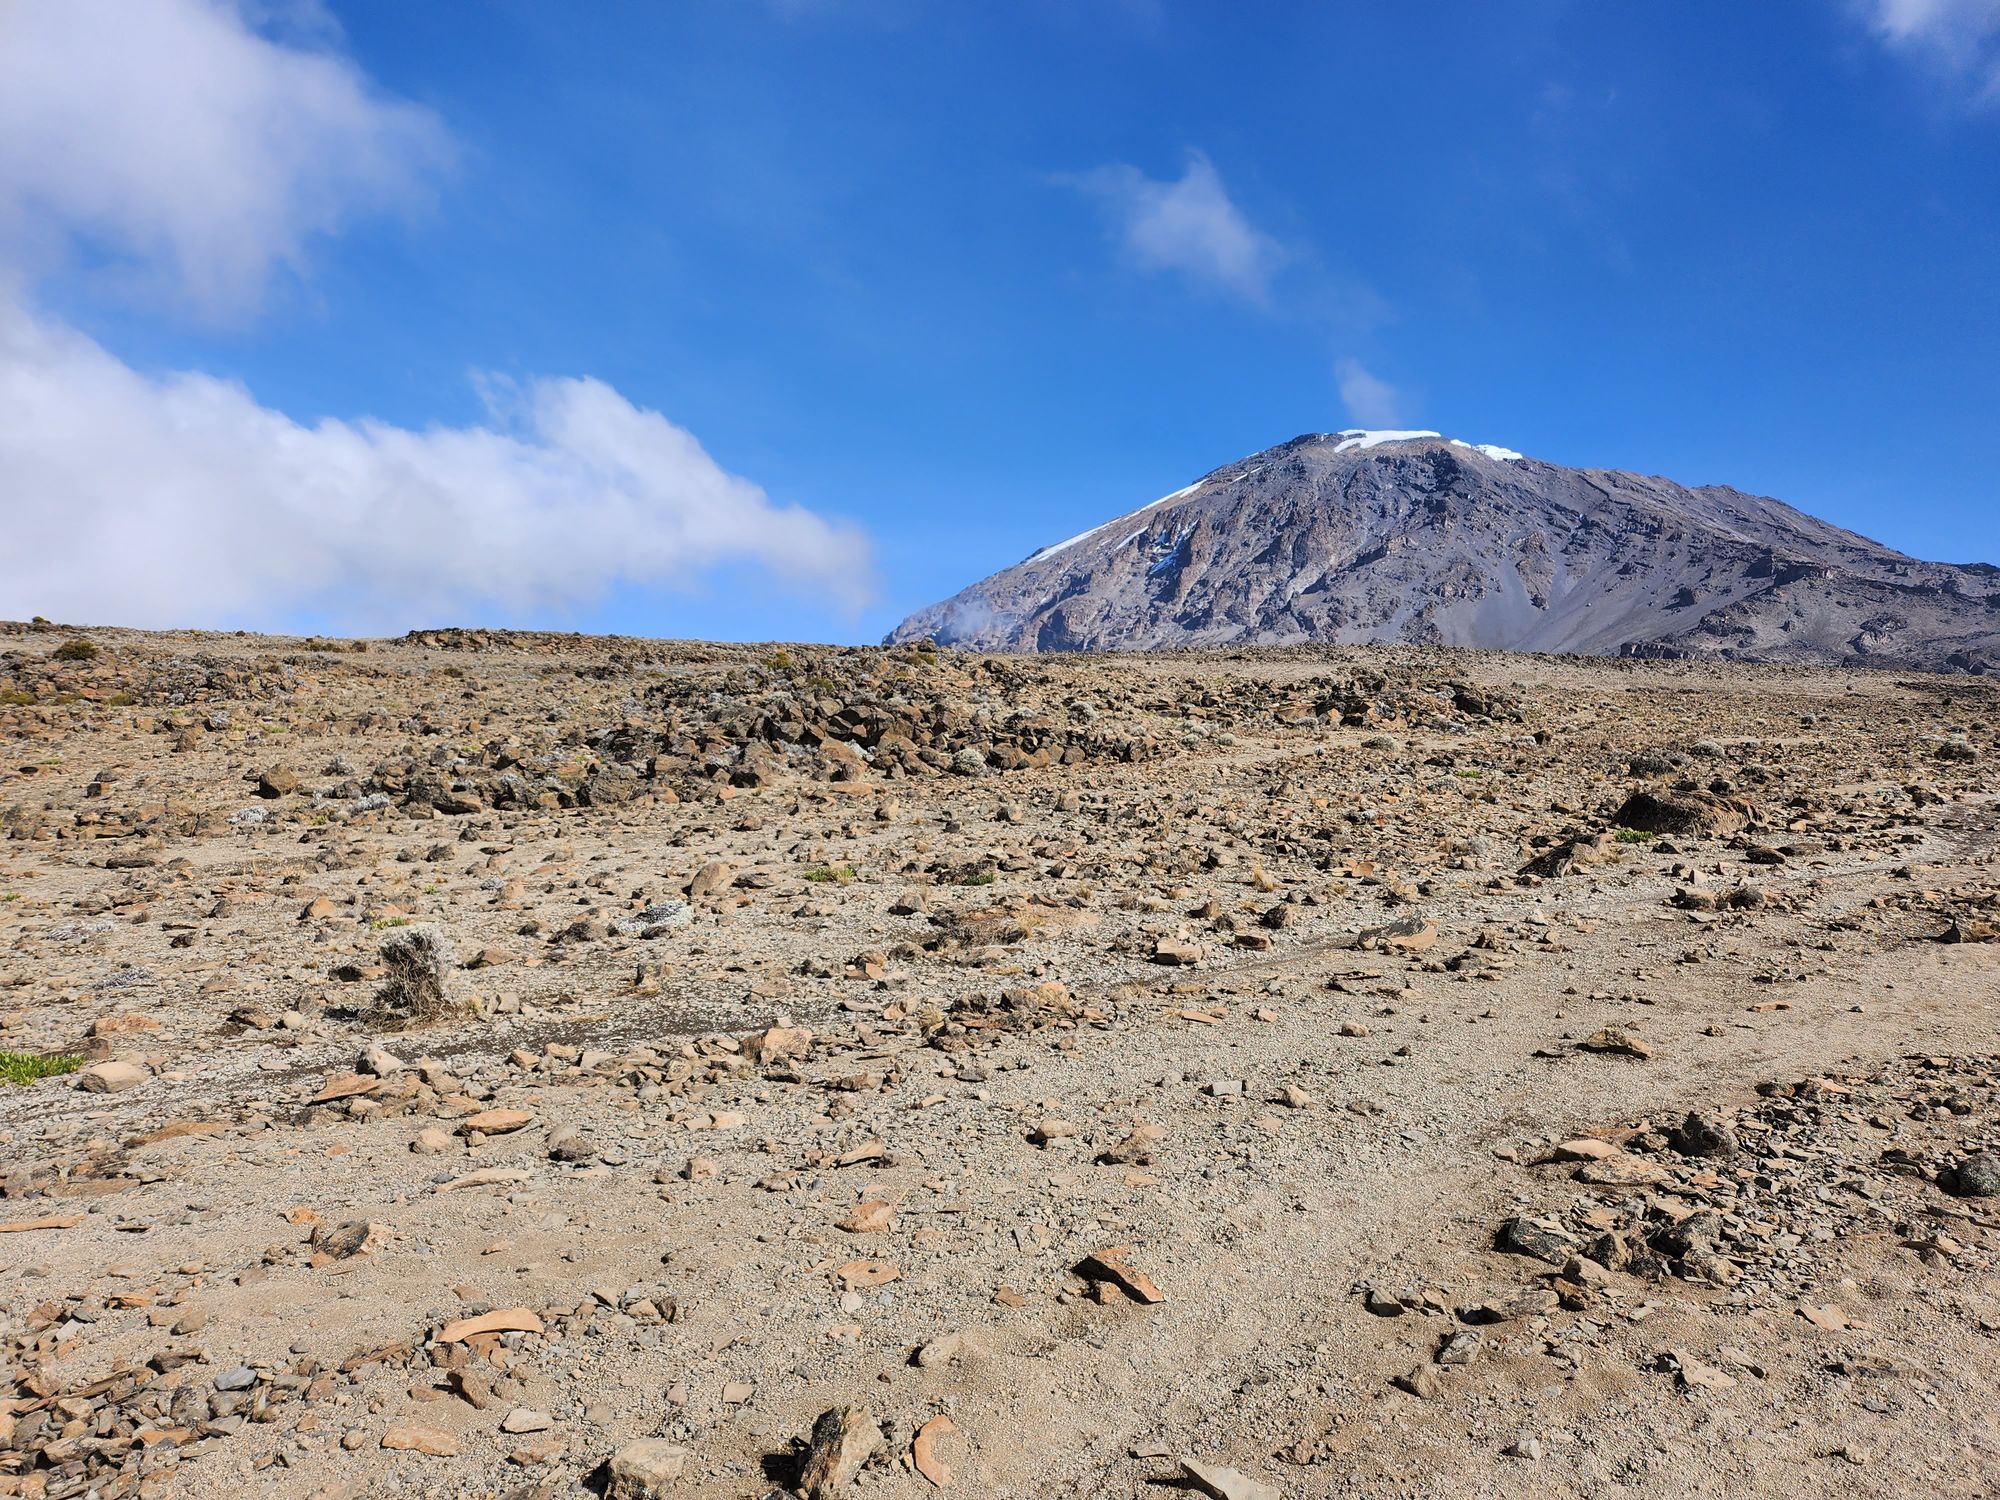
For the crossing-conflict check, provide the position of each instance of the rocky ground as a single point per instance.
(535, 1065)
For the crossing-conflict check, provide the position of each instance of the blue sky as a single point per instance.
(947, 282)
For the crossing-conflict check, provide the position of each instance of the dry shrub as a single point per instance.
(420, 961)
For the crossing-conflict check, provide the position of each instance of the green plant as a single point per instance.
(26, 1067)
(840, 874)
(983, 877)
(382, 922)
(77, 649)
(1634, 836)
(16, 697)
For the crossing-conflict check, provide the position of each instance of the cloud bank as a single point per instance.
(204, 159)
(1189, 224)
(157, 501)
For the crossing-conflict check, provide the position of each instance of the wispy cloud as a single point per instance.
(1191, 225)
(1188, 224)
(1369, 399)
(1958, 37)
(208, 156)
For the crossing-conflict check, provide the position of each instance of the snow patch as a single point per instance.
(1362, 437)
(1084, 536)
(1353, 439)
(1491, 450)
(1168, 551)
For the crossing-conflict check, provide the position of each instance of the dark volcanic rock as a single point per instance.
(1978, 1176)
(1683, 813)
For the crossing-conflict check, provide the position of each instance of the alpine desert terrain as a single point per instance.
(1410, 537)
(480, 1064)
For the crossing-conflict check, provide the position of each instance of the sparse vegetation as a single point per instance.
(836, 874)
(77, 649)
(1634, 836)
(26, 1067)
(417, 993)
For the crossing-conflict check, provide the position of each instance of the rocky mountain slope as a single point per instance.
(1355, 536)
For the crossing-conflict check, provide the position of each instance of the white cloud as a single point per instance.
(180, 500)
(207, 156)
(1189, 225)
(171, 136)
(1960, 36)
(1370, 400)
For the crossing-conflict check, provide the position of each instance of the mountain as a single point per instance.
(1357, 536)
